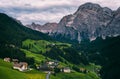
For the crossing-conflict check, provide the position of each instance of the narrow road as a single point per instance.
(48, 75)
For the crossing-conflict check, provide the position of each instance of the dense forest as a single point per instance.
(105, 53)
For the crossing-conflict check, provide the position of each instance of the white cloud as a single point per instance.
(40, 17)
(42, 11)
(52, 15)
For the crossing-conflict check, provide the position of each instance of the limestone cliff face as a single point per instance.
(113, 28)
(88, 22)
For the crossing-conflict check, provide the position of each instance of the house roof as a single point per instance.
(6, 58)
(23, 63)
(17, 65)
(15, 60)
(20, 64)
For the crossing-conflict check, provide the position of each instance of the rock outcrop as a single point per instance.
(88, 22)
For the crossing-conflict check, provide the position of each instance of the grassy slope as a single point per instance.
(6, 72)
(75, 75)
(35, 75)
(38, 57)
(40, 45)
(37, 46)
(34, 47)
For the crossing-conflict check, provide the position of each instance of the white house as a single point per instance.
(50, 62)
(7, 59)
(22, 66)
(66, 70)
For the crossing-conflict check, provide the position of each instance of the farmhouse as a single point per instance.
(22, 66)
(52, 64)
(7, 59)
(66, 70)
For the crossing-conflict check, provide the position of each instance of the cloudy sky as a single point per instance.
(42, 11)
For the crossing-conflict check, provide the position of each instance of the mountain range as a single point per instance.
(88, 22)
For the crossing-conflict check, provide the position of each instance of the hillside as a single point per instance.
(110, 50)
(63, 52)
(14, 33)
(105, 53)
(75, 76)
(40, 49)
(6, 72)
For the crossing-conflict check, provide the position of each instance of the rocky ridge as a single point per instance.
(88, 22)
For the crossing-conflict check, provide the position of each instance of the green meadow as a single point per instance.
(75, 75)
(6, 72)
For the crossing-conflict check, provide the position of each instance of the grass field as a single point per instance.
(34, 48)
(35, 75)
(38, 46)
(38, 57)
(6, 72)
(74, 75)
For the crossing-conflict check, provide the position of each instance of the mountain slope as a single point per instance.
(105, 53)
(6, 71)
(88, 22)
(13, 33)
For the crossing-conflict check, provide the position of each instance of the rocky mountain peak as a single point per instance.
(89, 6)
(88, 22)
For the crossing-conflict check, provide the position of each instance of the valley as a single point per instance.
(83, 45)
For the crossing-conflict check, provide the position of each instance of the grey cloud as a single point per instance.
(53, 9)
(28, 13)
(17, 12)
